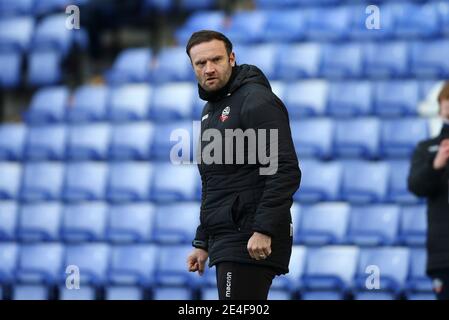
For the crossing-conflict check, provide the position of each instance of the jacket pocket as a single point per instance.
(220, 219)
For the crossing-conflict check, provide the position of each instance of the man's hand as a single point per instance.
(259, 246)
(442, 155)
(196, 260)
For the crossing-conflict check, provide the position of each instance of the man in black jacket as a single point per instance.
(245, 222)
(429, 177)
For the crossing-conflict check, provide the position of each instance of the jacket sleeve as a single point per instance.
(423, 179)
(263, 110)
(201, 237)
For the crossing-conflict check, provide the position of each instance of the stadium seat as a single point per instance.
(85, 181)
(413, 225)
(173, 101)
(89, 104)
(124, 293)
(132, 65)
(386, 59)
(374, 225)
(130, 102)
(399, 193)
(396, 98)
(51, 33)
(209, 294)
(400, 137)
(30, 292)
(362, 22)
(9, 214)
(322, 295)
(88, 142)
(10, 67)
(16, 8)
(428, 59)
(323, 223)
(92, 261)
(8, 261)
(10, 180)
(421, 296)
(42, 181)
(417, 21)
(264, 56)
(172, 65)
(130, 181)
(132, 222)
(328, 24)
(180, 148)
(172, 293)
(200, 20)
(45, 7)
(374, 295)
(246, 26)
(364, 181)
(278, 295)
(83, 293)
(350, 99)
(168, 186)
(48, 105)
(299, 61)
(313, 138)
(12, 141)
(133, 265)
(132, 141)
(295, 212)
(84, 222)
(176, 222)
(285, 25)
(306, 98)
(197, 4)
(40, 222)
(342, 61)
(357, 138)
(418, 281)
(44, 68)
(16, 33)
(321, 181)
(46, 143)
(40, 263)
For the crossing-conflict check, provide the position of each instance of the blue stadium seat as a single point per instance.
(296, 217)
(417, 21)
(30, 292)
(92, 261)
(181, 147)
(16, 33)
(362, 23)
(40, 263)
(46, 143)
(200, 20)
(48, 105)
(10, 180)
(16, 8)
(365, 182)
(374, 295)
(301, 60)
(209, 294)
(12, 141)
(44, 68)
(443, 9)
(133, 265)
(313, 138)
(84, 222)
(396, 98)
(400, 137)
(321, 181)
(306, 98)
(88, 142)
(421, 296)
(173, 101)
(176, 223)
(246, 26)
(132, 141)
(172, 293)
(387, 59)
(418, 281)
(89, 104)
(270, 4)
(414, 225)
(131, 65)
(324, 223)
(278, 295)
(428, 59)
(8, 221)
(132, 222)
(42, 181)
(374, 225)
(393, 264)
(85, 181)
(83, 293)
(8, 261)
(40, 222)
(285, 25)
(330, 268)
(399, 193)
(130, 181)
(350, 98)
(10, 69)
(172, 65)
(264, 56)
(197, 4)
(357, 138)
(160, 6)
(342, 61)
(322, 295)
(328, 23)
(124, 293)
(175, 182)
(51, 33)
(130, 103)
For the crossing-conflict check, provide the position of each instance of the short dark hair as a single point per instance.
(444, 93)
(206, 36)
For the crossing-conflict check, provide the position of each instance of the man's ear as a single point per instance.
(232, 59)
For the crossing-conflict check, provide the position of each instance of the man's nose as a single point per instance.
(209, 68)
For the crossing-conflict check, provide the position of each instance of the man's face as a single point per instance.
(444, 109)
(212, 65)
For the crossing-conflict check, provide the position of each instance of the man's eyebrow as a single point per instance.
(204, 60)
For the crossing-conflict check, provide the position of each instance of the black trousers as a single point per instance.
(239, 281)
(440, 279)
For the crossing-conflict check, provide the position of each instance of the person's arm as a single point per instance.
(201, 237)
(262, 110)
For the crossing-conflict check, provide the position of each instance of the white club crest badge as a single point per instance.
(225, 114)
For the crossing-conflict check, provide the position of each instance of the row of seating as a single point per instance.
(338, 269)
(35, 7)
(352, 21)
(318, 224)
